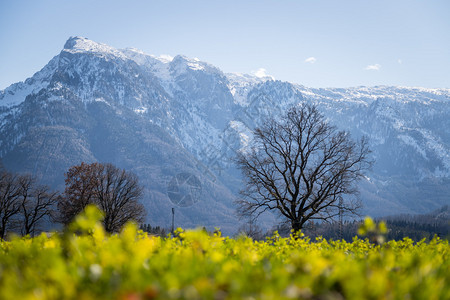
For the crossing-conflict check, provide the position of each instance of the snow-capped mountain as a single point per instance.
(159, 116)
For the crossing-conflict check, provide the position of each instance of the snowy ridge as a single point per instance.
(241, 84)
(16, 93)
(366, 95)
(157, 65)
(181, 63)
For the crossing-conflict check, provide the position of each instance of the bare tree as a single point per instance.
(9, 200)
(251, 230)
(116, 192)
(301, 167)
(37, 203)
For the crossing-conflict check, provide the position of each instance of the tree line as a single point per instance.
(26, 206)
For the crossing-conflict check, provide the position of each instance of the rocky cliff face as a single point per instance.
(160, 117)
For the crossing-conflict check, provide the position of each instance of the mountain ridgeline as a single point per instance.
(160, 117)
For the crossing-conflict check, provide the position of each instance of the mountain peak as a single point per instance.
(181, 62)
(72, 42)
(78, 44)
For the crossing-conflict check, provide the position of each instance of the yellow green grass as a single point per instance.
(86, 263)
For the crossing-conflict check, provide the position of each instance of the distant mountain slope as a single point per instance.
(159, 116)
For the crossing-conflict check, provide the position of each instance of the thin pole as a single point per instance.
(340, 218)
(173, 219)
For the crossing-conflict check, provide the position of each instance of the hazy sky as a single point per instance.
(314, 43)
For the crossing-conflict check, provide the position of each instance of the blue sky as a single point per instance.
(314, 43)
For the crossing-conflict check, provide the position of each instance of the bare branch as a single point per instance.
(300, 166)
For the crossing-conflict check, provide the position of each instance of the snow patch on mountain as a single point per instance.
(157, 66)
(245, 135)
(180, 64)
(412, 142)
(241, 84)
(438, 147)
(16, 93)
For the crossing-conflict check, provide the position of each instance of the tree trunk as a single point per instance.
(296, 226)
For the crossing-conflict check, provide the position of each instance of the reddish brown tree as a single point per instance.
(302, 167)
(80, 182)
(116, 192)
